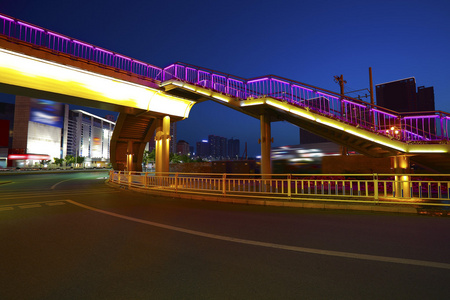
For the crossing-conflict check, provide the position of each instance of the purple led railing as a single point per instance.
(407, 127)
(25, 32)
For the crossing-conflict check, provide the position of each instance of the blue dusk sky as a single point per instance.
(306, 41)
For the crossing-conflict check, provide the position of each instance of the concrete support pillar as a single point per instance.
(401, 165)
(162, 145)
(266, 140)
(130, 156)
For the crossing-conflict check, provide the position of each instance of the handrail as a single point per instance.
(421, 127)
(431, 190)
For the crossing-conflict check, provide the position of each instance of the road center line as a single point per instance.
(377, 258)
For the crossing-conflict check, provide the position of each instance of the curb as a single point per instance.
(293, 204)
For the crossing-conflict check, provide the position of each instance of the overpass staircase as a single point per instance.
(367, 129)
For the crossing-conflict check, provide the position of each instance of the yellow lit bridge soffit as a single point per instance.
(37, 74)
(320, 120)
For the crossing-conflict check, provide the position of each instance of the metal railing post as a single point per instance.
(145, 179)
(289, 179)
(375, 187)
(224, 178)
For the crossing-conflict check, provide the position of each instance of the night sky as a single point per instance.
(307, 41)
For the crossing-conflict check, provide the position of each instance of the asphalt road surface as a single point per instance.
(71, 236)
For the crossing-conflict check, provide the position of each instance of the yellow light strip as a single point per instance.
(220, 98)
(38, 74)
(390, 145)
(189, 87)
(428, 151)
(277, 105)
(302, 114)
(359, 134)
(330, 124)
(203, 92)
(252, 103)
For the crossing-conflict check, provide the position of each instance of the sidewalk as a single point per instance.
(369, 207)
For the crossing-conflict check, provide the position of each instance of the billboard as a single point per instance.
(47, 112)
(44, 139)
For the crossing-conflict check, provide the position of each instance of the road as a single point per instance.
(71, 236)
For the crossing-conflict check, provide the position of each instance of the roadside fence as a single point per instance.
(429, 190)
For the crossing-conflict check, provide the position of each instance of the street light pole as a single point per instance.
(341, 81)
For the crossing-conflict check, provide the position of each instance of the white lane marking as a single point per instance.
(55, 203)
(377, 258)
(33, 203)
(29, 206)
(6, 208)
(53, 186)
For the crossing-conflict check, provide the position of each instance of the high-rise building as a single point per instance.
(203, 149)
(233, 148)
(89, 136)
(182, 147)
(399, 95)
(223, 148)
(425, 98)
(217, 146)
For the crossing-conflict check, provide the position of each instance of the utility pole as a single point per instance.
(341, 81)
(372, 102)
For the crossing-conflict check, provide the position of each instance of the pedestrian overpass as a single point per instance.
(41, 63)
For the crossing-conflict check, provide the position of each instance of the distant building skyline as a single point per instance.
(218, 147)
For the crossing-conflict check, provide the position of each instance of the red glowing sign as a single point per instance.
(29, 157)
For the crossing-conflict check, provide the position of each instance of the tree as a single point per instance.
(58, 161)
(148, 157)
(79, 159)
(186, 159)
(69, 159)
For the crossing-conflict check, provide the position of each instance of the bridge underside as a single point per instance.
(130, 136)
